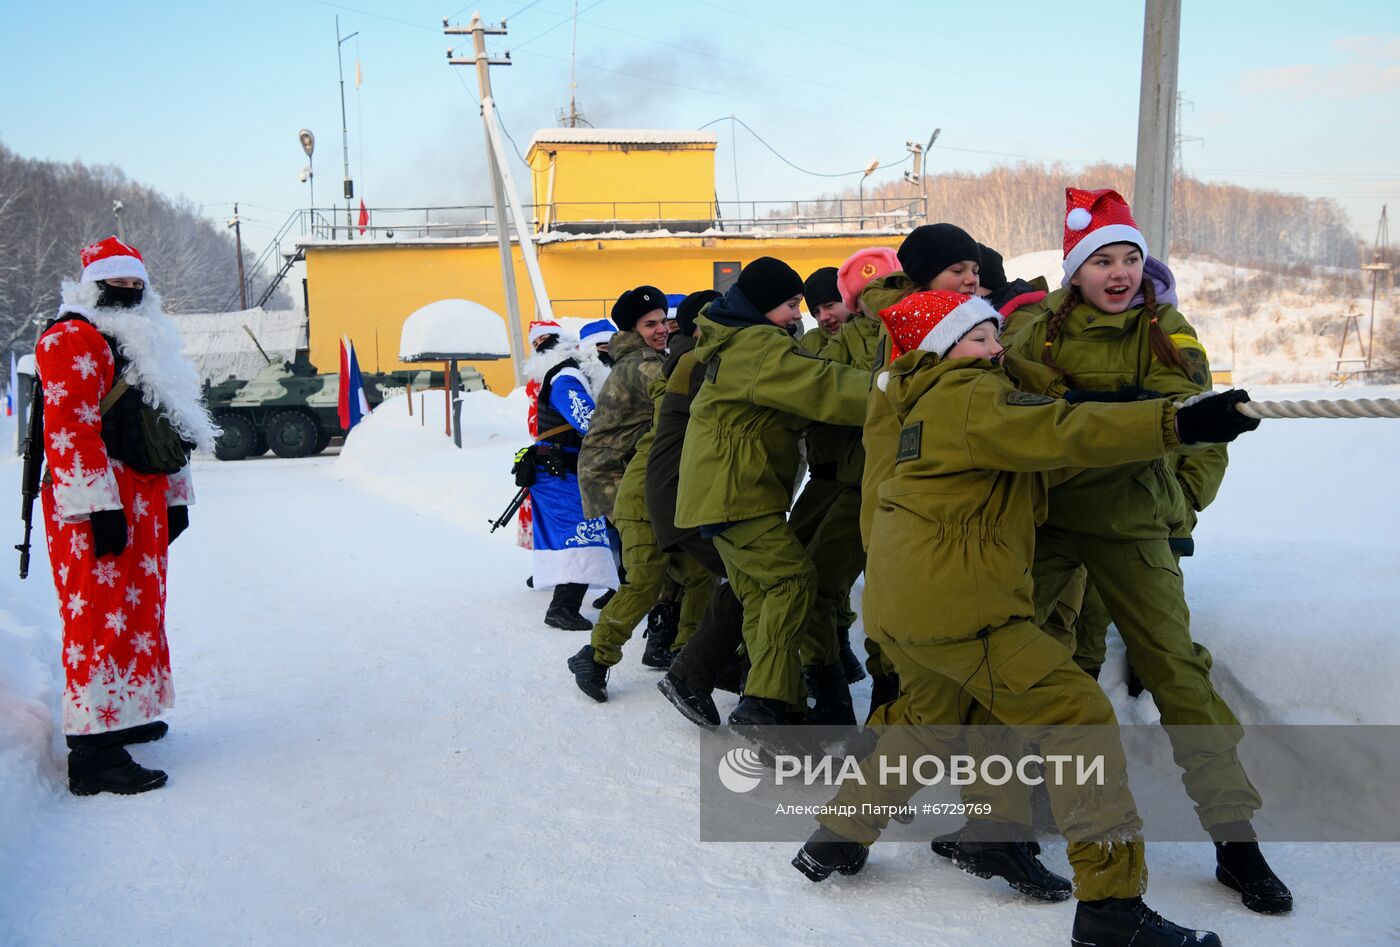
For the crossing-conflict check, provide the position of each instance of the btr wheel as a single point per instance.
(323, 440)
(292, 434)
(238, 439)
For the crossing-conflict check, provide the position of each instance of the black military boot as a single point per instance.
(563, 608)
(144, 733)
(826, 852)
(1240, 865)
(883, 689)
(663, 624)
(1127, 922)
(697, 706)
(1016, 863)
(733, 675)
(855, 671)
(602, 600)
(98, 762)
(832, 694)
(590, 676)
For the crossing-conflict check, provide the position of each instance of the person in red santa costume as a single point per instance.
(121, 413)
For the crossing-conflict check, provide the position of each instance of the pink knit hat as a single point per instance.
(862, 267)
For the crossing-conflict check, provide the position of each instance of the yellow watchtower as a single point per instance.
(596, 180)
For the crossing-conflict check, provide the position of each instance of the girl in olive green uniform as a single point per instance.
(1116, 335)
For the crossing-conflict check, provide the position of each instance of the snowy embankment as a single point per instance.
(376, 740)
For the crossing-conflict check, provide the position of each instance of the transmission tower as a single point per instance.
(572, 117)
(1379, 268)
(1179, 169)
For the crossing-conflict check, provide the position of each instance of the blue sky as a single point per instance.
(205, 99)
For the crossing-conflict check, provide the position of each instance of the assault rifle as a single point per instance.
(514, 505)
(33, 470)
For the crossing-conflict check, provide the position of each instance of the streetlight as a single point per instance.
(308, 145)
(869, 170)
(117, 209)
(344, 133)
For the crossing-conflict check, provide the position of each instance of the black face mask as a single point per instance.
(124, 297)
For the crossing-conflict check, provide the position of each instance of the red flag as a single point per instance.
(364, 215)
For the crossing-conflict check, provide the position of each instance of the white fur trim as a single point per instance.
(115, 266)
(539, 364)
(179, 491)
(1079, 219)
(1096, 240)
(592, 565)
(78, 493)
(539, 332)
(154, 350)
(957, 324)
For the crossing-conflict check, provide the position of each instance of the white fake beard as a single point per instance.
(539, 364)
(592, 367)
(154, 350)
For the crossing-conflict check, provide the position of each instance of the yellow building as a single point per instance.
(611, 209)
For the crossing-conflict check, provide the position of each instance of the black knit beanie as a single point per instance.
(932, 248)
(768, 283)
(635, 303)
(820, 288)
(992, 276)
(690, 308)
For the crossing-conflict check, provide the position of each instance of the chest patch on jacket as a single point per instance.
(712, 369)
(910, 439)
(1028, 398)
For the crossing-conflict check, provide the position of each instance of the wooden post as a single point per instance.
(408, 388)
(1152, 187)
(447, 390)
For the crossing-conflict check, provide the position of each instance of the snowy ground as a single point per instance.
(376, 740)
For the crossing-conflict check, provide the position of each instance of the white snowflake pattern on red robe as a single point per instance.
(115, 656)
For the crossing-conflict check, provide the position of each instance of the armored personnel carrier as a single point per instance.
(292, 410)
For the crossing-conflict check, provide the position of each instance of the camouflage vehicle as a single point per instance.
(292, 410)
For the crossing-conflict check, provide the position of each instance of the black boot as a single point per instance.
(698, 707)
(826, 852)
(833, 696)
(765, 723)
(1093, 671)
(883, 689)
(99, 762)
(145, 733)
(663, 624)
(1016, 863)
(602, 600)
(1127, 922)
(590, 676)
(734, 674)
(563, 608)
(855, 671)
(1134, 683)
(1240, 865)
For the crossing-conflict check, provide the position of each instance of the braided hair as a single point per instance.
(1057, 320)
(1163, 348)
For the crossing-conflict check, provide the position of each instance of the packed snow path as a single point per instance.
(376, 741)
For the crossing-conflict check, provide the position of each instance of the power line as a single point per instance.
(784, 160)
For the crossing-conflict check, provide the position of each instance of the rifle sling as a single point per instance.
(553, 431)
(113, 396)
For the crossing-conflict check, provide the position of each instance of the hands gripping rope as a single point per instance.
(1353, 408)
(1219, 417)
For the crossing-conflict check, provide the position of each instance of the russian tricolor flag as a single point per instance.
(12, 388)
(353, 404)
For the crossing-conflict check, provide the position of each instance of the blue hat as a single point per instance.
(596, 327)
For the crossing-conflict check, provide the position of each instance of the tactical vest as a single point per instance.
(549, 416)
(134, 433)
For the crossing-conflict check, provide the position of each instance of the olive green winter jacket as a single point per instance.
(760, 392)
(953, 536)
(622, 416)
(1099, 351)
(855, 345)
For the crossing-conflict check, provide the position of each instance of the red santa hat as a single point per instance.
(934, 320)
(543, 327)
(860, 268)
(1093, 220)
(111, 259)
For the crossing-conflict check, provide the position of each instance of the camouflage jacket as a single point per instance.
(623, 414)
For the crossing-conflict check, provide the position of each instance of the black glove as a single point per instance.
(108, 532)
(1213, 419)
(1126, 393)
(178, 518)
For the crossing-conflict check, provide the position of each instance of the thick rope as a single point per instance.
(1355, 408)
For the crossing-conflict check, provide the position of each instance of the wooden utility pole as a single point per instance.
(479, 31)
(238, 246)
(1152, 188)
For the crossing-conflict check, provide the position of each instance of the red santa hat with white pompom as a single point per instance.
(1093, 220)
(111, 259)
(934, 320)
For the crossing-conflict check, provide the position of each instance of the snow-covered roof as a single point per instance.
(621, 136)
(25, 365)
(219, 347)
(453, 328)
